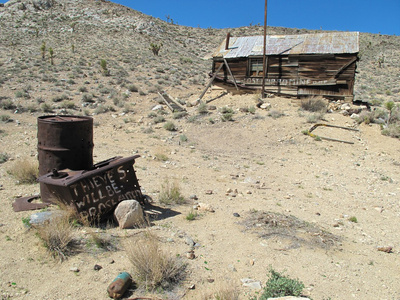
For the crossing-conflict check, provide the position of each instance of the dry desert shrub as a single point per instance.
(57, 235)
(314, 104)
(393, 130)
(26, 171)
(279, 285)
(223, 291)
(152, 266)
(170, 193)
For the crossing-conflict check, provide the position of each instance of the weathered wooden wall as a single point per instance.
(330, 75)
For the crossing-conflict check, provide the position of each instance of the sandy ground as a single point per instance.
(248, 166)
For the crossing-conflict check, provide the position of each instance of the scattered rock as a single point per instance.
(97, 267)
(210, 280)
(193, 197)
(236, 215)
(204, 207)
(129, 214)
(345, 106)
(189, 241)
(209, 192)
(251, 283)
(158, 107)
(192, 287)
(190, 255)
(386, 249)
(40, 218)
(266, 106)
(232, 268)
(195, 102)
(74, 269)
(354, 116)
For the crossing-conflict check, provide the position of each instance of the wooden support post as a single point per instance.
(229, 70)
(211, 81)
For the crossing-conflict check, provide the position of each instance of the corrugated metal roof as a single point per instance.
(315, 43)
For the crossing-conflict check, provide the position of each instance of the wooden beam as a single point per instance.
(345, 66)
(211, 81)
(166, 102)
(229, 70)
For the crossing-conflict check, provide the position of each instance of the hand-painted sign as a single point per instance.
(97, 191)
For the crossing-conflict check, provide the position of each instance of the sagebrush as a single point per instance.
(153, 267)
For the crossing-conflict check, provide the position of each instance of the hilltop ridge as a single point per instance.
(83, 32)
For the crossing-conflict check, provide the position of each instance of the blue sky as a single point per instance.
(345, 15)
(381, 16)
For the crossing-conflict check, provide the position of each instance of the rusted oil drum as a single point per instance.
(64, 142)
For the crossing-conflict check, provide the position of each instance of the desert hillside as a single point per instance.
(256, 192)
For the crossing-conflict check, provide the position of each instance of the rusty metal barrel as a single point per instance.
(64, 142)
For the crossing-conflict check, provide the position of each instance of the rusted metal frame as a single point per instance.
(63, 142)
(229, 70)
(345, 66)
(211, 81)
(308, 132)
(25, 203)
(97, 191)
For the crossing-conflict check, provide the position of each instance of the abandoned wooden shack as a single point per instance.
(318, 64)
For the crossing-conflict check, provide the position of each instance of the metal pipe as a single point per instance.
(264, 51)
(228, 37)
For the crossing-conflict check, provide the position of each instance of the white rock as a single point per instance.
(158, 107)
(252, 284)
(205, 207)
(345, 106)
(266, 106)
(129, 214)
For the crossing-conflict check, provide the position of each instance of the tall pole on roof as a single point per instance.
(264, 52)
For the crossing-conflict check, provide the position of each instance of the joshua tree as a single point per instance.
(155, 48)
(43, 49)
(103, 65)
(51, 52)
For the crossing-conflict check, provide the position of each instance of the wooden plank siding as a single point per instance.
(329, 75)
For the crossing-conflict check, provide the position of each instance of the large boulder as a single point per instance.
(129, 214)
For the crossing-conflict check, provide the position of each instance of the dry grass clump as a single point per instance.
(152, 266)
(170, 193)
(388, 117)
(26, 171)
(393, 130)
(314, 104)
(4, 157)
(223, 291)
(57, 235)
